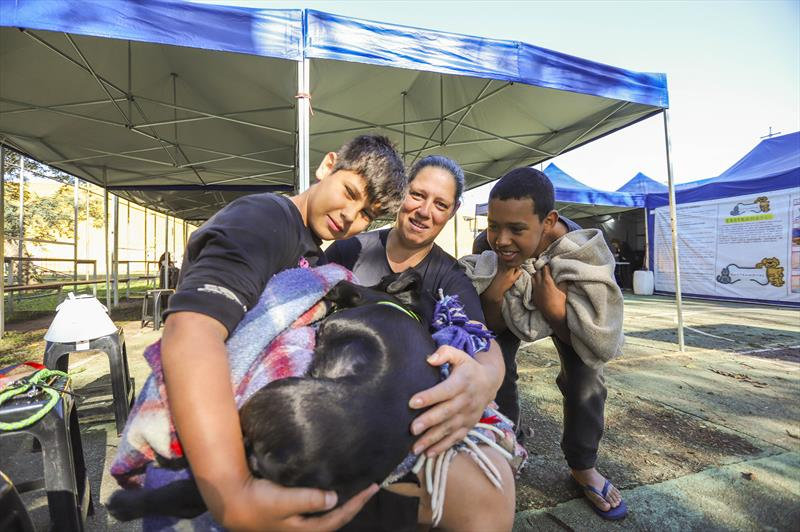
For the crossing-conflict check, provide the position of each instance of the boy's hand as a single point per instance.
(492, 297)
(263, 505)
(457, 403)
(503, 280)
(551, 300)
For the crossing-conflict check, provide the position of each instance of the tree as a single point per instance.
(49, 217)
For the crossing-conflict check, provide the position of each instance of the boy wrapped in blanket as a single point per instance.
(545, 276)
(228, 263)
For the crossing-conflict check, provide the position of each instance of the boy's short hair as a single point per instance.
(374, 158)
(526, 182)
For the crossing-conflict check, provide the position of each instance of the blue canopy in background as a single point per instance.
(773, 164)
(577, 200)
(642, 184)
(183, 106)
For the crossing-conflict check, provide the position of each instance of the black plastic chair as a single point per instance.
(113, 345)
(69, 497)
(13, 515)
(157, 299)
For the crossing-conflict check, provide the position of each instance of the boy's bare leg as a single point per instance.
(471, 501)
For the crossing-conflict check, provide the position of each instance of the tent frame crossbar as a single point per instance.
(58, 106)
(91, 70)
(212, 116)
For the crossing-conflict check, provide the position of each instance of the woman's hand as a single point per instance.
(457, 403)
(263, 505)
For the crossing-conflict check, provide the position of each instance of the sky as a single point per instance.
(733, 70)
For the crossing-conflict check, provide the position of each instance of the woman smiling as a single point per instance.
(456, 404)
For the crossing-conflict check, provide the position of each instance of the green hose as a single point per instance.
(22, 387)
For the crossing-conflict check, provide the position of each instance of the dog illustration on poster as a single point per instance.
(759, 205)
(768, 271)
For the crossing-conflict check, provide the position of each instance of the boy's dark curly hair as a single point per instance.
(526, 182)
(374, 158)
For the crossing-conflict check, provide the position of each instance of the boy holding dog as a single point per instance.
(227, 264)
(548, 277)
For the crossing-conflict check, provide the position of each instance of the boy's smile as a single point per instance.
(338, 206)
(515, 232)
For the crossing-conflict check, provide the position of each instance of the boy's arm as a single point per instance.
(196, 374)
(551, 300)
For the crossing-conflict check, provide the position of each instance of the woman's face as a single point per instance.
(430, 202)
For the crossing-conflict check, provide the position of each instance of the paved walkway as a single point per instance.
(705, 439)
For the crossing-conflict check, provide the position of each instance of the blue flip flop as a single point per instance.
(613, 514)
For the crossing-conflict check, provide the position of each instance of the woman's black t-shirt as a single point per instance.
(365, 256)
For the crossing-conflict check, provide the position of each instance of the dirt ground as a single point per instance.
(676, 422)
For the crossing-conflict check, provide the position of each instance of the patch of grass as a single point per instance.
(16, 347)
(41, 303)
(21, 346)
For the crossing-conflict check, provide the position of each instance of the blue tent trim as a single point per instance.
(642, 184)
(265, 32)
(769, 302)
(349, 39)
(293, 34)
(570, 190)
(773, 164)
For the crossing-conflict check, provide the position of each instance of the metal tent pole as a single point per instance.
(2, 239)
(166, 251)
(455, 232)
(115, 255)
(646, 263)
(673, 221)
(303, 96)
(146, 265)
(76, 207)
(20, 246)
(105, 234)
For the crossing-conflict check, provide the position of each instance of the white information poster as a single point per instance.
(737, 247)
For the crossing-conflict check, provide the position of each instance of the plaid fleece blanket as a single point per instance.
(274, 340)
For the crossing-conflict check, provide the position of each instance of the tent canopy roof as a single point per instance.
(642, 184)
(773, 164)
(576, 200)
(183, 107)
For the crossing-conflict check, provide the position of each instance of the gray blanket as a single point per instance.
(594, 301)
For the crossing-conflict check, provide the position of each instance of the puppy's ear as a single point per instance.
(408, 281)
(407, 288)
(344, 295)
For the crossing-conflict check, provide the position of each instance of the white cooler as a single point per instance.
(643, 283)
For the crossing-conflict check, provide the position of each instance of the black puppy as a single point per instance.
(344, 425)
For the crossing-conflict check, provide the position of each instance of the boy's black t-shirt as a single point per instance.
(229, 260)
(365, 256)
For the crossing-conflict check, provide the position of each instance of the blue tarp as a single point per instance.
(570, 190)
(355, 40)
(774, 164)
(280, 33)
(642, 184)
(266, 32)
